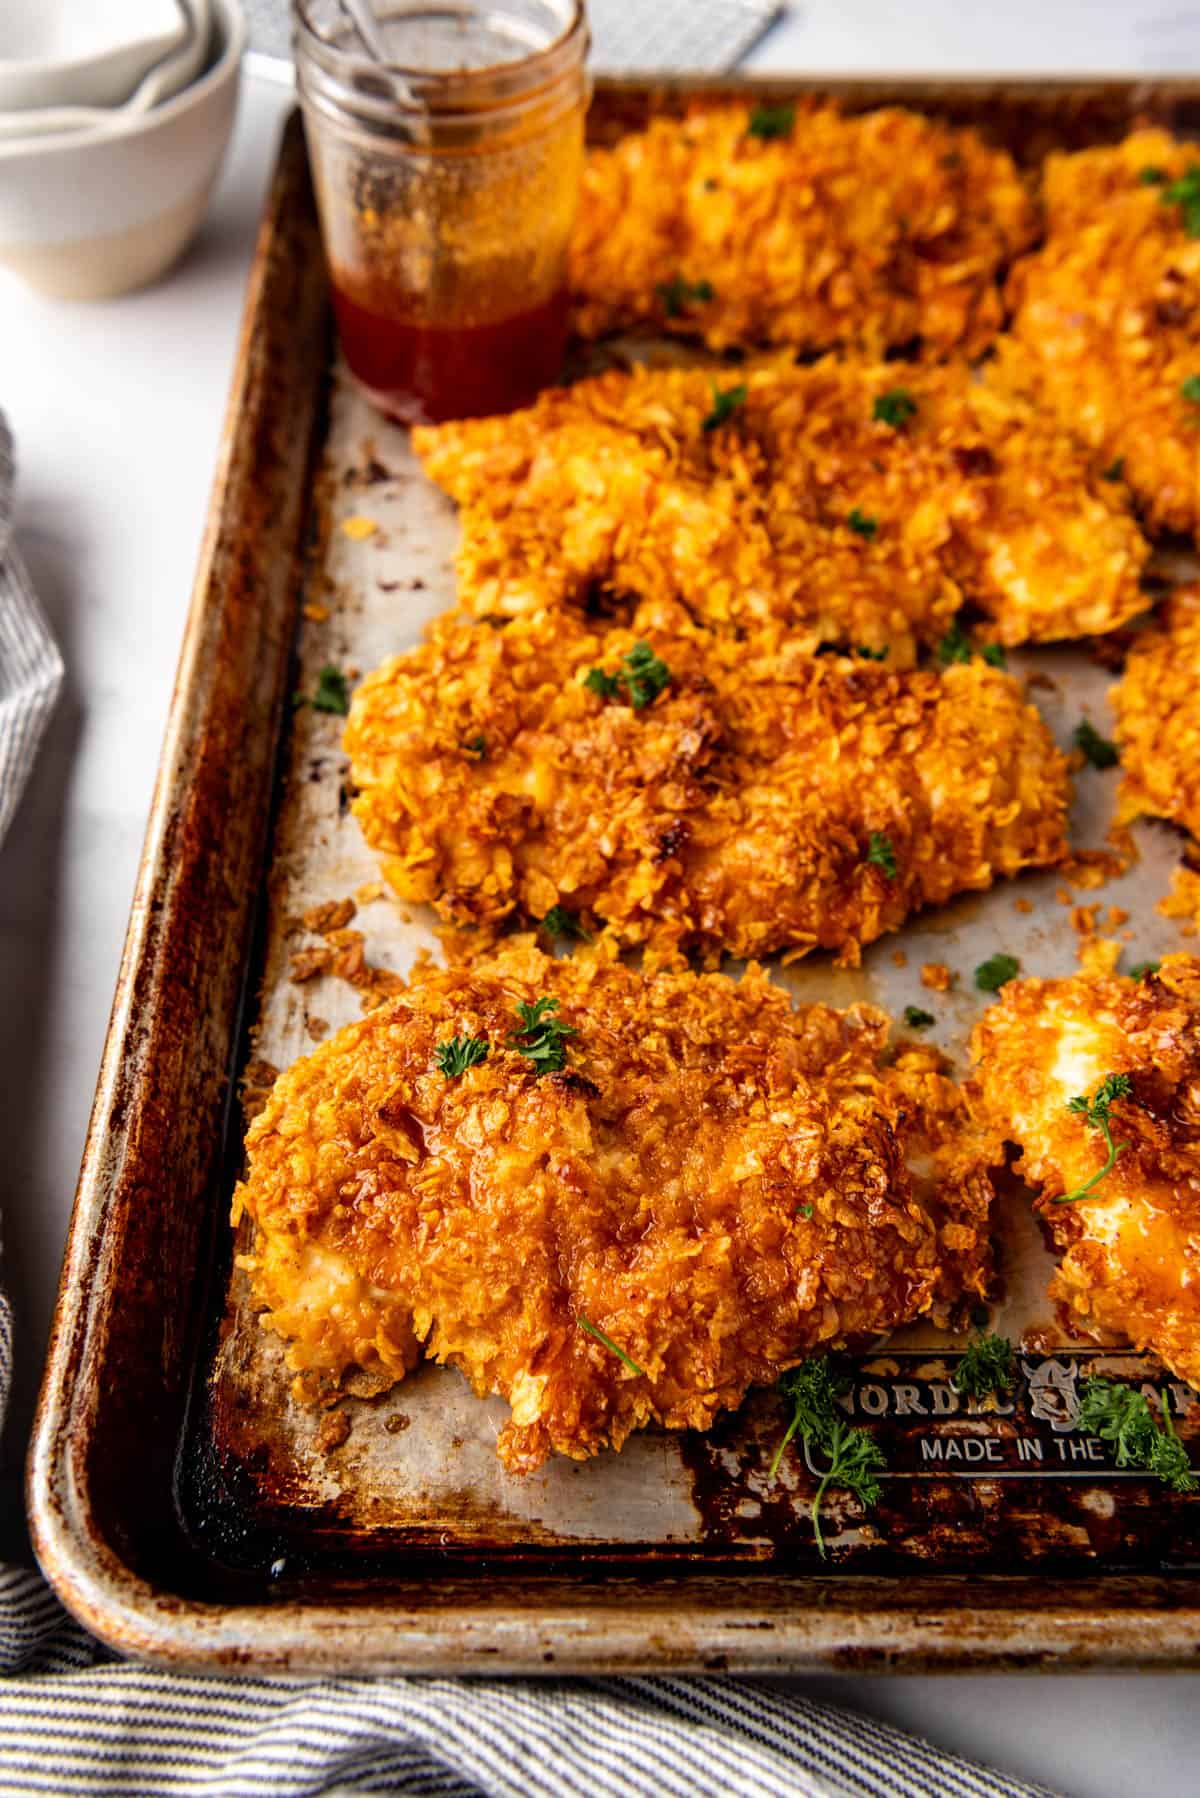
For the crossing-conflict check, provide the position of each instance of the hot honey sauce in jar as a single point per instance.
(447, 179)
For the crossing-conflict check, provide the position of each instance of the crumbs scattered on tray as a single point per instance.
(314, 613)
(358, 527)
(369, 892)
(937, 976)
(332, 914)
(1183, 901)
(333, 1430)
(258, 1077)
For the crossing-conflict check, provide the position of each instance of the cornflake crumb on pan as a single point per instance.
(609, 1197)
(847, 502)
(1096, 1080)
(1105, 325)
(691, 791)
(1157, 703)
(863, 231)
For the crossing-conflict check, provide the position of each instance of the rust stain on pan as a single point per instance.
(185, 1513)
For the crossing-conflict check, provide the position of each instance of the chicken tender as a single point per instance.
(791, 500)
(1107, 316)
(732, 796)
(1157, 703)
(867, 231)
(713, 1186)
(1131, 1243)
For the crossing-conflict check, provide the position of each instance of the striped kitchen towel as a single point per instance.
(31, 669)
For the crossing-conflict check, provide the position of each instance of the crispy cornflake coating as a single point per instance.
(615, 487)
(867, 231)
(1131, 1247)
(1157, 703)
(1107, 318)
(717, 1182)
(734, 812)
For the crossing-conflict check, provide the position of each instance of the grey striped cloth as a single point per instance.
(31, 669)
(73, 1720)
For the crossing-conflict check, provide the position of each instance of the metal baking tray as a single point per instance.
(185, 1509)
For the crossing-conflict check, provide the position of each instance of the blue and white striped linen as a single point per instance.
(31, 669)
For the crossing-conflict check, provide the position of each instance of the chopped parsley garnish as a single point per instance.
(460, 1053)
(918, 1019)
(881, 854)
(1191, 389)
(895, 407)
(558, 921)
(541, 1038)
(1122, 1418)
(993, 654)
(955, 646)
(610, 1345)
(641, 673)
(858, 649)
(861, 524)
(1142, 970)
(986, 1365)
(771, 121)
(1115, 470)
(1094, 1112)
(1185, 193)
(1096, 749)
(332, 693)
(854, 1456)
(725, 403)
(992, 974)
(804, 1211)
(478, 748)
(1151, 176)
(677, 294)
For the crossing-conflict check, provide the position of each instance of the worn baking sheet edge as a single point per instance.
(754, 1622)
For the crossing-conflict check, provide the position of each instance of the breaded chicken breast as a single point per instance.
(1106, 326)
(701, 1187)
(1157, 703)
(850, 502)
(691, 791)
(1047, 1056)
(867, 231)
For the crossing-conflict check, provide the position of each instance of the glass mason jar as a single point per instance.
(447, 180)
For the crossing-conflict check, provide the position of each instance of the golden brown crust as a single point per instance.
(718, 1182)
(867, 231)
(613, 487)
(1107, 318)
(1157, 703)
(733, 813)
(1130, 1247)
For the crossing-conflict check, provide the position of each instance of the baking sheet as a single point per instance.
(966, 1483)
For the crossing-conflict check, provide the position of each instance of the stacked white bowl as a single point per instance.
(114, 116)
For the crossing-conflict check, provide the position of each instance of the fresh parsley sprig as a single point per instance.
(1095, 749)
(917, 1018)
(861, 524)
(677, 294)
(725, 403)
(854, 1456)
(613, 1347)
(332, 693)
(540, 1037)
(881, 854)
(1185, 193)
(1122, 1418)
(460, 1053)
(1190, 389)
(996, 972)
(1094, 1112)
(642, 674)
(558, 921)
(895, 407)
(1142, 970)
(770, 122)
(986, 1365)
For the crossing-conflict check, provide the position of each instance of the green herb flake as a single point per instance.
(955, 646)
(332, 692)
(1151, 176)
(642, 674)
(459, 1054)
(605, 686)
(677, 294)
(1185, 193)
(993, 654)
(1142, 970)
(993, 973)
(558, 921)
(895, 407)
(880, 853)
(1095, 749)
(477, 746)
(918, 1019)
(540, 1037)
(1094, 1112)
(804, 1211)
(1115, 470)
(986, 1365)
(612, 1347)
(1123, 1420)
(872, 655)
(1191, 389)
(725, 403)
(854, 1456)
(860, 524)
(770, 122)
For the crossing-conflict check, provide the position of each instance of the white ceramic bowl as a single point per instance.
(88, 214)
(81, 53)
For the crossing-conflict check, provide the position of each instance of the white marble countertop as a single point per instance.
(116, 410)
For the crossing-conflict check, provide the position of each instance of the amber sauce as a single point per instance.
(422, 373)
